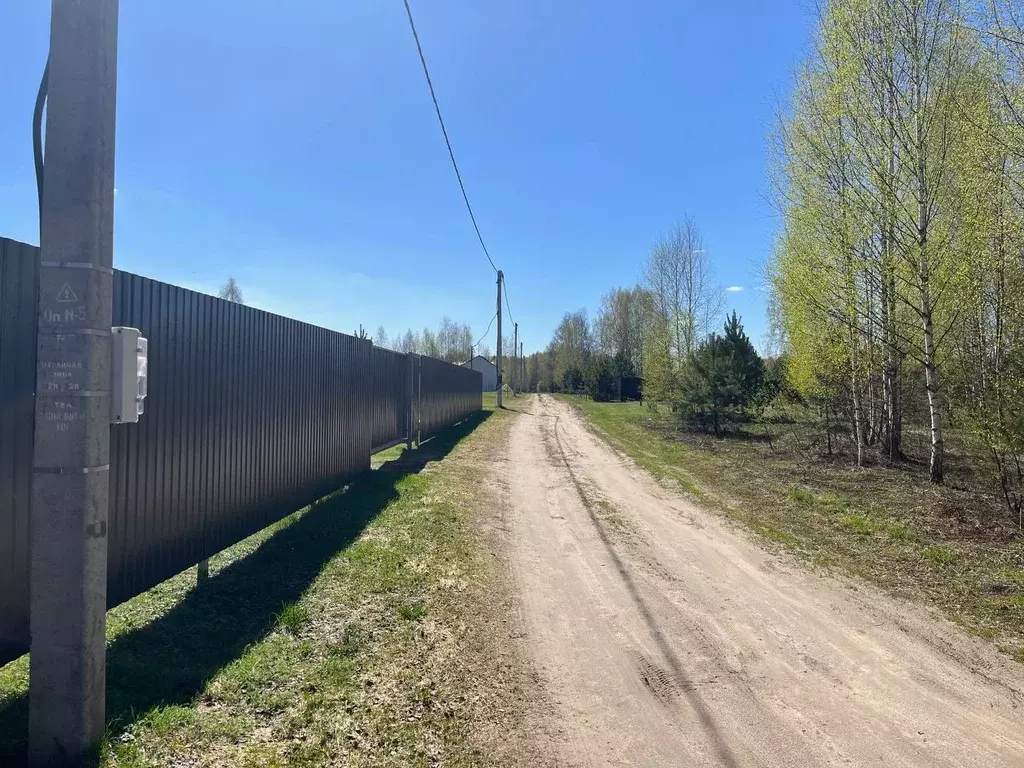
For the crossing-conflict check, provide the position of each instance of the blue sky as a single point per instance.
(294, 146)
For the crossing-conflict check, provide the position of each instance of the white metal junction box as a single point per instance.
(129, 372)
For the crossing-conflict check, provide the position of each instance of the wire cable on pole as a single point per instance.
(447, 141)
(37, 138)
(487, 331)
(505, 292)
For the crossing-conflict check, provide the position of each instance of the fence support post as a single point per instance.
(71, 477)
(409, 398)
(202, 571)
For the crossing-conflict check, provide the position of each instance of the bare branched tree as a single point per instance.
(231, 292)
(452, 341)
(680, 278)
(409, 343)
(622, 320)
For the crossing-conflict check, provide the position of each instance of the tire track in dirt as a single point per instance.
(660, 683)
(686, 644)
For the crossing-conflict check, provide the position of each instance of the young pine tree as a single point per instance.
(722, 379)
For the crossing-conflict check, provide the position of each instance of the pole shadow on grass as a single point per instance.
(170, 660)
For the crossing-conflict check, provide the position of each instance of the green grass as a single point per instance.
(771, 531)
(888, 526)
(354, 632)
(860, 524)
(801, 495)
(292, 617)
(414, 611)
(939, 555)
(1012, 575)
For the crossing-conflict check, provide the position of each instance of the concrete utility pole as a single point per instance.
(501, 277)
(70, 476)
(515, 365)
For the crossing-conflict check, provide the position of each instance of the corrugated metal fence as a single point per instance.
(19, 282)
(445, 394)
(249, 417)
(391, 372)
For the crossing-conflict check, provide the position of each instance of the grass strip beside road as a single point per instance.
(890, 527)
(354, 632)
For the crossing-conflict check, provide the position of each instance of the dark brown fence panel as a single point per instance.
(249, 417)
(19, 284)
(390, 392)
(447, 394)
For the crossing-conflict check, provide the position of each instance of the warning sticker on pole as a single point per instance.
(67, 295)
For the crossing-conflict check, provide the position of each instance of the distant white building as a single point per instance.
(488, 371)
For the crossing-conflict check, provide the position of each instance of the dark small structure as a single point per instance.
(628, 388)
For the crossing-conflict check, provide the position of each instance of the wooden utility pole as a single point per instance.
(71, 461)
(501, 277)
(522, 368)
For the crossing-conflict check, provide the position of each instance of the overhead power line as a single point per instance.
(505, 291)
(447, 141)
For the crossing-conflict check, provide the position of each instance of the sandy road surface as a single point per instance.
(666, 638)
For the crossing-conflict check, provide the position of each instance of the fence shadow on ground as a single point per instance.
(169, 660)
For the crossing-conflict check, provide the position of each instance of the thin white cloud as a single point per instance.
(734, 288)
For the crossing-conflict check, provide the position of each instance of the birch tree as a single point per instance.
(679, 276)
(870, 190)
(622, 320)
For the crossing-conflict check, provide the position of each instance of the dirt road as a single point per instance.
(666, 637)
